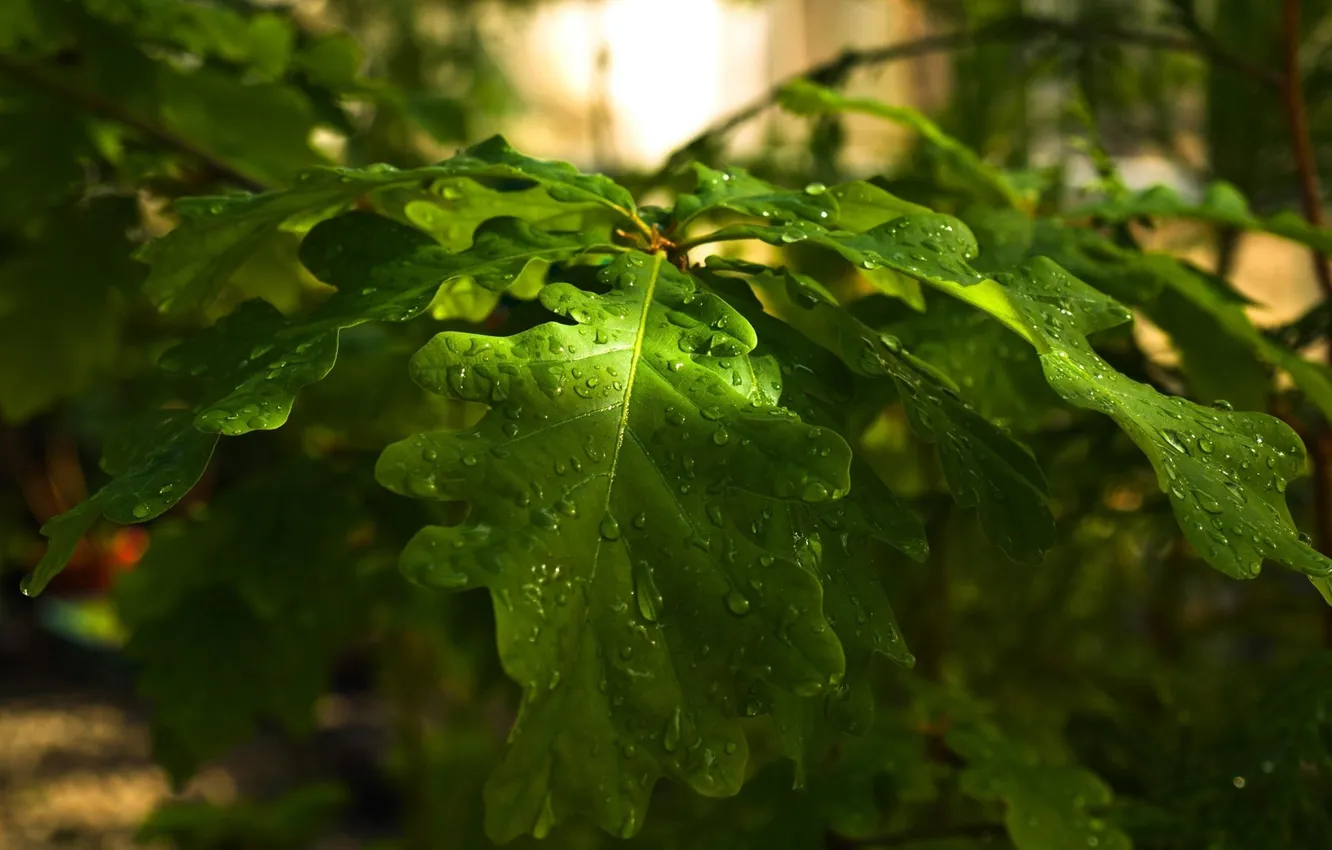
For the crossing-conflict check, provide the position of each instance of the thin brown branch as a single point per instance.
(32, 77)
(1008, 31)
(1297, 118)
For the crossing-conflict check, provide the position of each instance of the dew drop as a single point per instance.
(610, 529)
(1173, 439)
(646, 593)
(737, 603)
(1207, 502)
(715, 514)
(670, 737)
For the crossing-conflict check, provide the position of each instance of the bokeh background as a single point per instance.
(611, 85)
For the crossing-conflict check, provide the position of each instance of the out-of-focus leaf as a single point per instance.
(254, 602)
(61, 301)
(1221, 204)
(1048, 807)
(806, 98)
(291, 820)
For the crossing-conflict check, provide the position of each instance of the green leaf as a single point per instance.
(1223, 351)
(191, 264)
(271, 40)
(863, 205)
(1225, 472)
(154, 467)
(1221, 204)
(262, 129)
(805, 98)
(986, 469)
(255, 361)
(61, 299)
(621, 513)
(19, 23)
(998, 375)
(736, 190)
(849, 533)
(42, 146)
(294, 819)
(1048, 807)
(333, 61)
(256, 602)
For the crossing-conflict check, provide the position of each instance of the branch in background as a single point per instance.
(1007, 31)
(33, 78)
(1297, 118)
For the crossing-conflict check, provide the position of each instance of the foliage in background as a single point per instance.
(691, 453)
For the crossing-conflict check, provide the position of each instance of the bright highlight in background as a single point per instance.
(668, 75)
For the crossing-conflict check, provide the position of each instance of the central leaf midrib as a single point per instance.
(635, 357)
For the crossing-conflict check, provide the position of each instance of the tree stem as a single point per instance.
(1297, 119)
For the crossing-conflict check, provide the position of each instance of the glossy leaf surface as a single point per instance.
(622, 497)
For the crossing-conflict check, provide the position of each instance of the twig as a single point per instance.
(1010, 30)
(1311, 199)
(32, 77)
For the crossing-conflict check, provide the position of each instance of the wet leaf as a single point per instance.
(254, 362)
(736, 190)
(621, 513)
(192, 264)
(986, 469)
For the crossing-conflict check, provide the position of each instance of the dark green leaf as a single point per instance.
(191, 264)
(621, 516)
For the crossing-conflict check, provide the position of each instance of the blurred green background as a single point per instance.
(274, 658)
